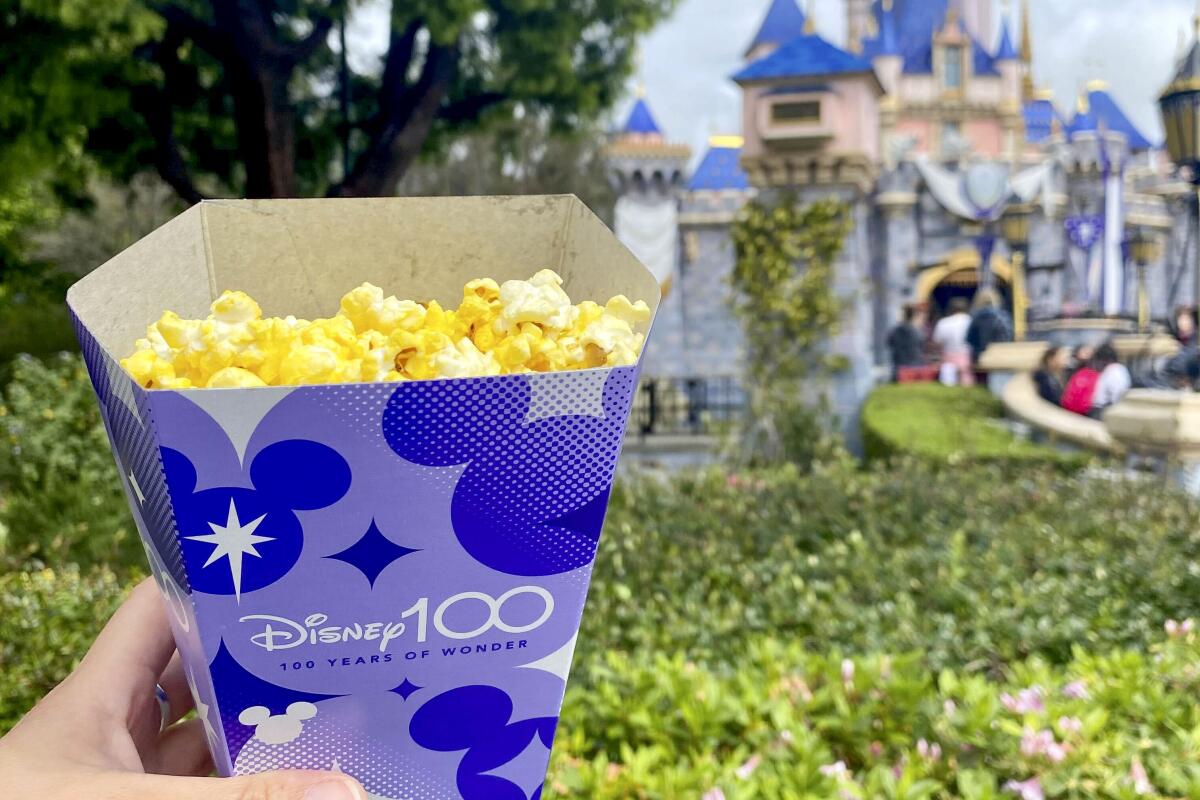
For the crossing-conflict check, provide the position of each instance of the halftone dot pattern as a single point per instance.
(325, 745)
(361, 408)
(558, 394)
(136, 447)
(533, 496)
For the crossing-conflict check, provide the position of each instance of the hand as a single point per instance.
(96, 736)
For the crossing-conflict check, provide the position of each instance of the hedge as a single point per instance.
(949, 426)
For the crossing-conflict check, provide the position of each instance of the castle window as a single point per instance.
(952, 67)
(806, 112)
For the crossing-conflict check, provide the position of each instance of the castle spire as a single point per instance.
(1027, 87)
(810, 18)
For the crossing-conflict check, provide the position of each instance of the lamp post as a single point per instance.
(1145, 249)
(1015, 226)
(1180, 107)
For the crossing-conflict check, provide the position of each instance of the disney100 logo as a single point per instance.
(281, 633)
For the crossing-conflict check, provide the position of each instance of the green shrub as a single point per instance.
(974, 567)
(48, 619)
(949, 425)
(60, 495)
(785, 723)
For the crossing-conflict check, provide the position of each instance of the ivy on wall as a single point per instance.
(785, 300)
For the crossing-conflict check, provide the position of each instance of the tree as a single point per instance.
(250, 97)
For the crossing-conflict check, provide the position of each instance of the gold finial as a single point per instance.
(810, 19)
(640, 90)
(1084, 103)
(1097, 85)
(726, 141)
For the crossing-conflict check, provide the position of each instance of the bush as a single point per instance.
(975, 568)
(788, 724)
(48, 619)
(949, 425)
(62, 497)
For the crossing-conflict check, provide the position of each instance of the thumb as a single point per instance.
(264, 786)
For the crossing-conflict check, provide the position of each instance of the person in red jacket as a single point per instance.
(1081, 389)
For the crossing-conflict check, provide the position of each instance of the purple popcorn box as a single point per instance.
(386, 578)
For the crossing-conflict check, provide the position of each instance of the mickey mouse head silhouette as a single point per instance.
(281, 729)
(236, 540)
(476, 719)
(532, 498)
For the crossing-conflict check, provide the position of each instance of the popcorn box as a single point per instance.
(385, 579)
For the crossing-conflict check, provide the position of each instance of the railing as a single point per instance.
(686, 406)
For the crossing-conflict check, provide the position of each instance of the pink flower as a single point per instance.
(746, 770)
(876, 749)
(1070, 724)
(1027, 701)
(713, 794)
(1042, 743)
(835, 770)
(786, 737)
(1026, 790)
(1179, 630)
(847, 671)
(949, 707)
(927, 751)
(1076, 690)
(1141, 781)
(733, 481)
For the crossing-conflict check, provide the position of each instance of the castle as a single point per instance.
(929, 124)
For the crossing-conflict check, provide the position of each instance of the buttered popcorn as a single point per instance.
(497, 329)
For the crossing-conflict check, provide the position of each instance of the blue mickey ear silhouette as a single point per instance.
(302, 475)
(461, 718)
(442, 423)
(181, 475)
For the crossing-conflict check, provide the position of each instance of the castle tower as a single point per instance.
(1008, 62)
(783, 22)
(648, 172)
(1028, 89)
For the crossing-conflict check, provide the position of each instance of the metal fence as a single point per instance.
(686, 406)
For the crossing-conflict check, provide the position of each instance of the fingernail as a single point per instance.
(333, 790)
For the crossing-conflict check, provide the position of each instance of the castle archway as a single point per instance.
(959, 276)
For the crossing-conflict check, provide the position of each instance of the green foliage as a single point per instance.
(61, 495)
(950, 425)
(974, 567)
(783, 296)
(48, 619)
(786, 723)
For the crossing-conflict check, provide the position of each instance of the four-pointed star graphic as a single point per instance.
(232, 541)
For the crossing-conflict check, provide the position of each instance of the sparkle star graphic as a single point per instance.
(202, 710)
(232, 541)
(137, 490)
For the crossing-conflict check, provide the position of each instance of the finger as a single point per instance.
(181, 750)
(174, 683)
(129, 655)
(266, 786)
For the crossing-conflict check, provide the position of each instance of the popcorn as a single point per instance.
(497, 329)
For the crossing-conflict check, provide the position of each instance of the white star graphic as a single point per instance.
(137, 490)
(232, 541)
(202, 710)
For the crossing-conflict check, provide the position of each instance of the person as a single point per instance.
(907, 341)
(1050, 374)
(1115, 380)
(1185, 326)
(989, 324)
(1080, 390)
(950, 334)
(102, 734)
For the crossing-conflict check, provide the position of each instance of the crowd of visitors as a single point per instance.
(1086, 380)
(950, 352)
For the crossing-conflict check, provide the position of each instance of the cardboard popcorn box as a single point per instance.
(385, 579)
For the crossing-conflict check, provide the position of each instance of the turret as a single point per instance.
(888, 62)
(783, 22)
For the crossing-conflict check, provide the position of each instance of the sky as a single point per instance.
(1131, 44)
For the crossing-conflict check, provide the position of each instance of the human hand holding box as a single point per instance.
(381, 578)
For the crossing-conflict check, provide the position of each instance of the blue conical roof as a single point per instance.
(1103, 111)
(784, 21)
(804, 56)
(1005, 51)
(641, 120)
(721, 167)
